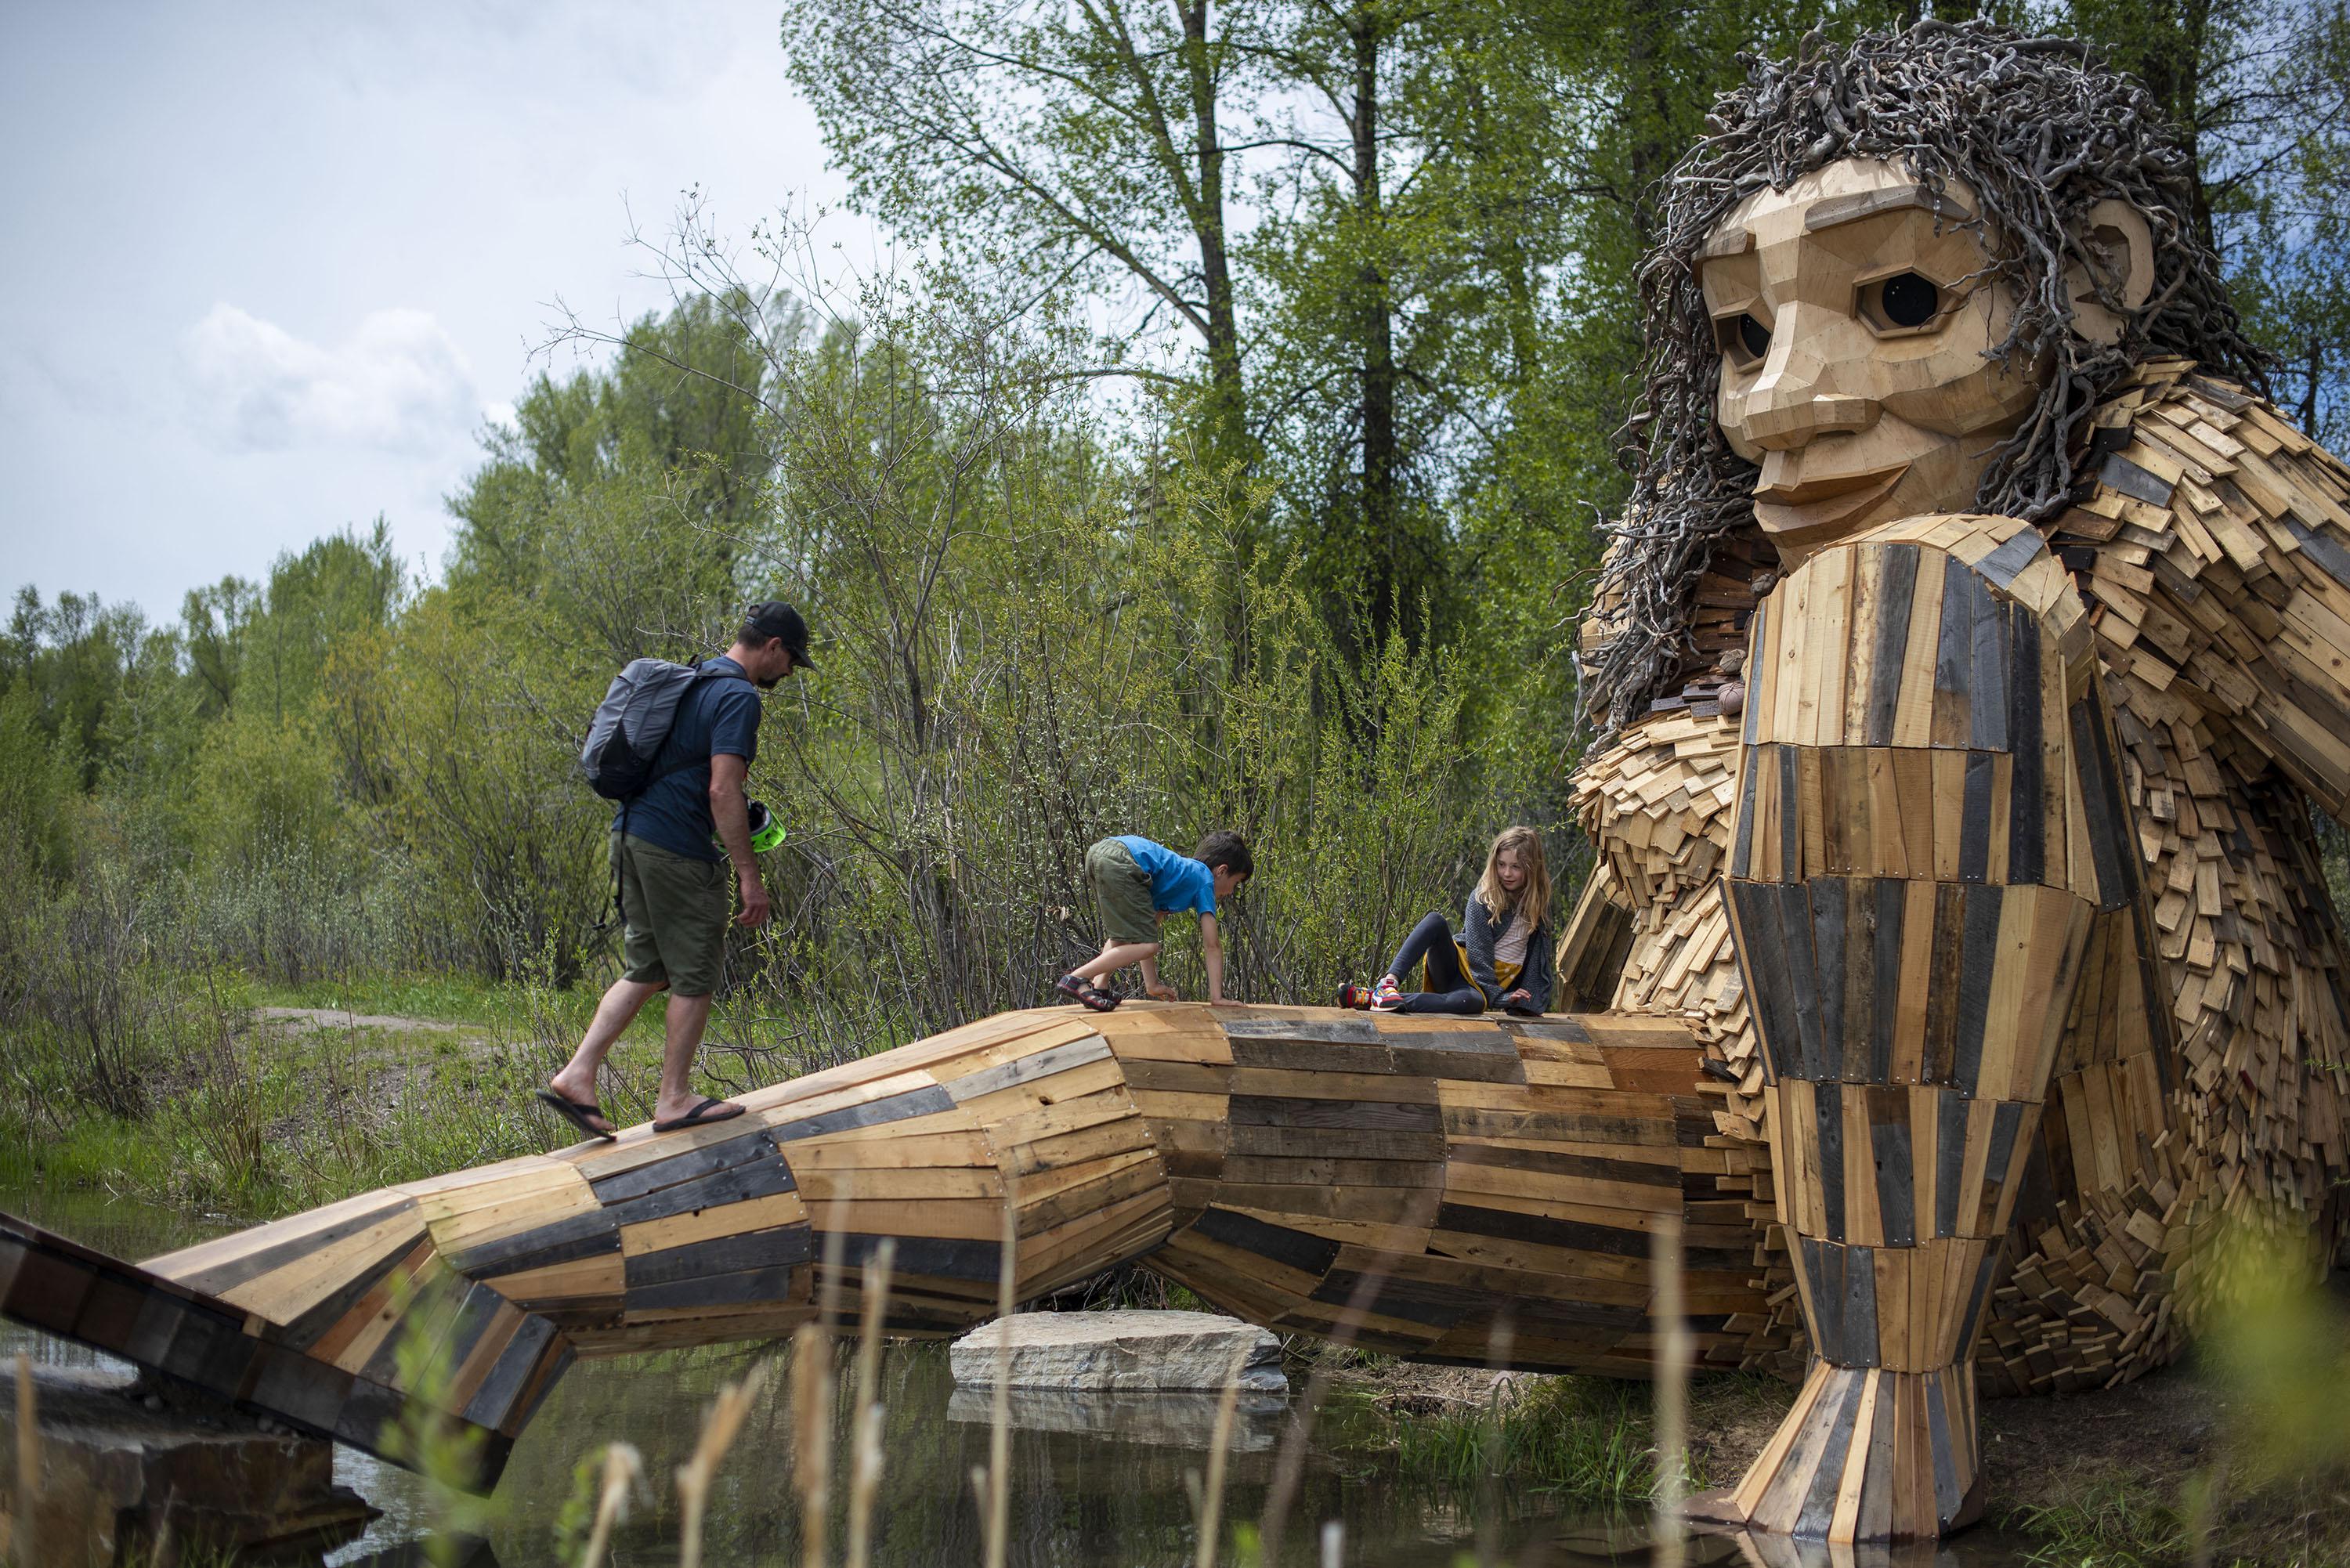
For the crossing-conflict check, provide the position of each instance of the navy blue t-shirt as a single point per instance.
(718, 716)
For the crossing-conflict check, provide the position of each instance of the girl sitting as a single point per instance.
(1502, 957)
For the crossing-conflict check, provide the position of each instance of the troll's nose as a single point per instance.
(1800, 394)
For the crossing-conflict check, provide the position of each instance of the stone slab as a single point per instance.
(1124, 1350)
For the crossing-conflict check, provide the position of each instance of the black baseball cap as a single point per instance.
(772, 618)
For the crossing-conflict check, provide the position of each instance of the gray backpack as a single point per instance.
(631, 725)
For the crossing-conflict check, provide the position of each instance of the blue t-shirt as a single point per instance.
(1178, 882)
(718, 716)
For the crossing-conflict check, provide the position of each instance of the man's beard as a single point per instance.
(770, 682)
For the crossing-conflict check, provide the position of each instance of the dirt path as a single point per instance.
(338, 1018)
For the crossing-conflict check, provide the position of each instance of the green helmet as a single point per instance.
(767, 828)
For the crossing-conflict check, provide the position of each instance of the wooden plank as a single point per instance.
(702, 1224)
(982, 1082)
(921, 1099)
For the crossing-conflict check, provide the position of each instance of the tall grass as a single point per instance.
(2102, 1521)
(1587, 1440)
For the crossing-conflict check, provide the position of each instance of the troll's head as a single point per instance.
(1894, 278)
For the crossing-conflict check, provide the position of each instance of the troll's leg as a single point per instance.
(1929, 826)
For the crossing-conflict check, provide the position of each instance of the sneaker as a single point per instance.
(1357, 997)
(1386, 996)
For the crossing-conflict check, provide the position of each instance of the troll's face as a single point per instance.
(1859, 319)
(1895, 276)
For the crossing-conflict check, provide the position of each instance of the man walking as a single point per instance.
(673, 877)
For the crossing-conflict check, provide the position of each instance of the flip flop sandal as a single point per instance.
(702, 1115)
(574, 1112)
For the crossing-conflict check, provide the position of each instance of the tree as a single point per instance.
(1056, 148)
(2260, 92)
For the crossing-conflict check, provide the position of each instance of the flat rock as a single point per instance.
(1126, 1352)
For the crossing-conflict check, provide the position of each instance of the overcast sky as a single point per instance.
(269, 268)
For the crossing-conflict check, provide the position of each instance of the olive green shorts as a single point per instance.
(1121, 892)
(676, 909)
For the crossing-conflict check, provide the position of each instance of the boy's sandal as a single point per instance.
(1092, 996)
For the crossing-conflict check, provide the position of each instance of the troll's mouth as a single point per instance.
(1810, 505)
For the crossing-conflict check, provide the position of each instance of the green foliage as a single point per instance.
(39, 787)
(74, 657)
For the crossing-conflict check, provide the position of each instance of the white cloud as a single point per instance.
(399, 382)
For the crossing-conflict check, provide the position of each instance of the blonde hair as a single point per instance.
(1533, 898)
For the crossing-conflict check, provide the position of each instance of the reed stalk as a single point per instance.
(812, 1437)
(1333, 1543)
(1500, 1340)
(1211, 1496)
(828, 1296)
(694, 1476)
(23, 1548)
(999, 1434)
(864, 1441)
(1289, 1464)
(1672, 1389)
(623, 1465)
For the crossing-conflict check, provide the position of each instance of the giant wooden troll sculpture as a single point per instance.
(1990, 879)
(1957, 981)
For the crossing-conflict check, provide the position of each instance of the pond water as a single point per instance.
(1095, 1484)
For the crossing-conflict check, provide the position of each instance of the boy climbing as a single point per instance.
(1137, 884)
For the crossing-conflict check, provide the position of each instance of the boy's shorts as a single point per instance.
(676, 908)
(1121, 892)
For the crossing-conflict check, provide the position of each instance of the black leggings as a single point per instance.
(1433, 939)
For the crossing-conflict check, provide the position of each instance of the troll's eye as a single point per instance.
(1745, 339)
(1901, 302)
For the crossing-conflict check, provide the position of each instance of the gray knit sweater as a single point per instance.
(1480, 931)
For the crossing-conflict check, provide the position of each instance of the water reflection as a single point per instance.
(1099, 1481)
(1159, 1420)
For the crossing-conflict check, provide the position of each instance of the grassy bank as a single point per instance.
(207, 1092)
(202, 1088)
